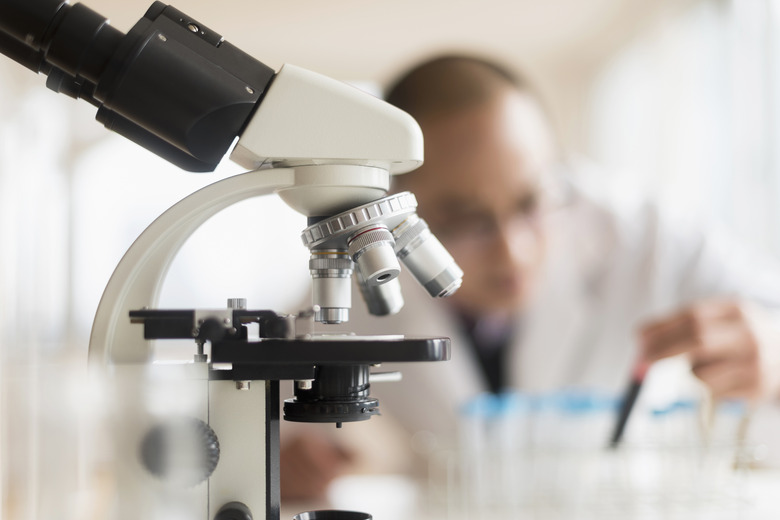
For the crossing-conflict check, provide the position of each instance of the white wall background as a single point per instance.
(689, 113)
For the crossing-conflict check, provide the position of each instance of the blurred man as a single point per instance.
(564, 285)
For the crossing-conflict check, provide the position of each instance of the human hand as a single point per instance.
(308, 464)
(722, 342)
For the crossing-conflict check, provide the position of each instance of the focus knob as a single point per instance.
(234, 511)
(181, 451)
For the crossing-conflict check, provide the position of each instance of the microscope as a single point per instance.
(199, 438)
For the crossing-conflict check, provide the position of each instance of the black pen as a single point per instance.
(628, 402)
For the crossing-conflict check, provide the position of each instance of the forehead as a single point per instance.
(486, 152)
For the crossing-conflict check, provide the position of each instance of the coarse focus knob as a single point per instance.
(332, 515)
(183, 451)
(234, 511)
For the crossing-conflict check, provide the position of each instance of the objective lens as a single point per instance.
(331, 273)
(372, 251)
(383, 299)
(427, 260)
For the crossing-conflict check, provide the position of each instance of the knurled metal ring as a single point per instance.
(405, 237)
(368, 238)
(389, 211)
(340, 264)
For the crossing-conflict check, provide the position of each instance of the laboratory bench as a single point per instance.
(395, 497)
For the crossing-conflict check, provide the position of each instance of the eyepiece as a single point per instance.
(30, 21)
(73, 39)
(427, 259)
(22, 53)
(182, 94)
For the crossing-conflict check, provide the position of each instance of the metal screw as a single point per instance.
(242, 385)
(305, 384)
(162, 37)
(250, 90)
(236, 303)
(192, 27)
(200, 357)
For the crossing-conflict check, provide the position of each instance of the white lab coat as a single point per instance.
(613, 263)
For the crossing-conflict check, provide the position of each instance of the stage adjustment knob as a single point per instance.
(182, 451)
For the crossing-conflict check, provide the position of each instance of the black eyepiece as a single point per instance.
(29, 21)
(171, 84)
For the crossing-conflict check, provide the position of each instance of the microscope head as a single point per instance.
(308, 119)
(345, 141)
(177, 88)
(343, 145)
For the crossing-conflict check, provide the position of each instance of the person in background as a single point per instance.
(565, 283)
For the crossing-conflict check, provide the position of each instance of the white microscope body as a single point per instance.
(324, 184)
(199, 439)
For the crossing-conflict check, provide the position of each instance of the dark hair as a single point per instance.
(451, 82)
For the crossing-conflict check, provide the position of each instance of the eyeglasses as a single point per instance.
(479, 227)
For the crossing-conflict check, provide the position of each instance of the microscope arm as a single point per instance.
(137, 280)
